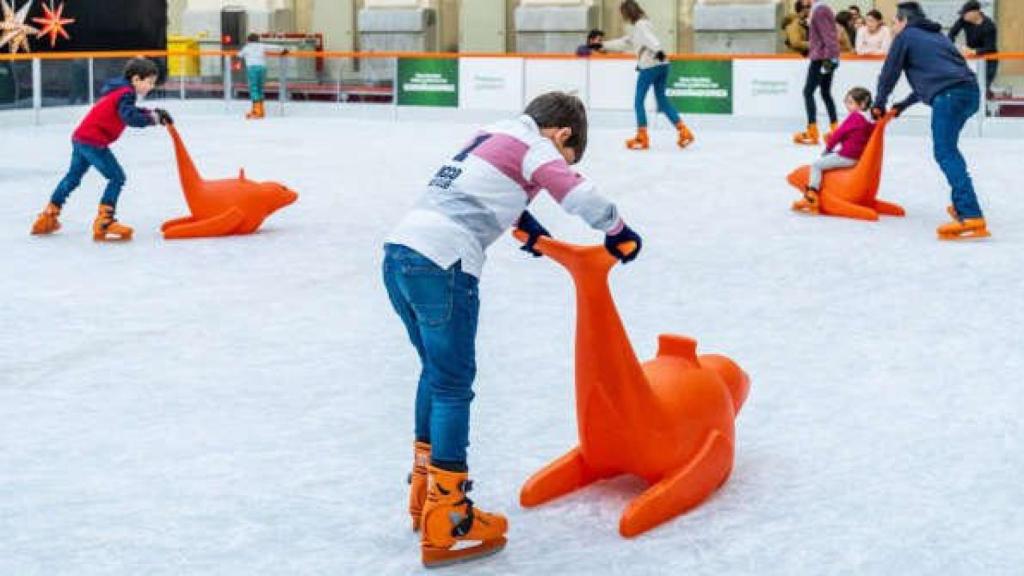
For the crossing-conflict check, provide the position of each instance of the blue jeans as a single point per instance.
(84, 156)
(257, 76)
(950, 111)
(658, 77)
(439, 309)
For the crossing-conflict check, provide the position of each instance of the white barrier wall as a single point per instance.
(769, 88)
(491, 83)
(774, 88)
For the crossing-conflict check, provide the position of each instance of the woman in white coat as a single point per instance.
(653, 72)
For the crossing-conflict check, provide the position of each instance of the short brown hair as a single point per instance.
(862, 96)
(631, 11)
(141, 67)
(561, 110)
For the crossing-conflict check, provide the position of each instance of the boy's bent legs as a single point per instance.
(103, 161)
(439, 308)
(830, 161)
(450, 347)
(950, 111)
(391, 271)
(73, 178)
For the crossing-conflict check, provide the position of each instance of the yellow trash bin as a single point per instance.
(186, 65)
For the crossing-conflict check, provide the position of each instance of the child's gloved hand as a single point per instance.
(830, 65)
(163, 117)
(528, 224)
(615, 244)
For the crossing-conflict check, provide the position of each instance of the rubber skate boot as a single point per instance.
(47, 222)
(640, 142)
(251, 114)
(106, 227)
(261, 112)
(685, 136)
(418, 482)
(453, 530)
(811, 202)
(951, 210)
(964, 229)
(808, 138)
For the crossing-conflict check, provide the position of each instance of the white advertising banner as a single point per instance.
(491, 83)
(613, 85)
(774, 88)
(556, 75)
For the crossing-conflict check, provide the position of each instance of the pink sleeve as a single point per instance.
(557, 178)
(840, 134)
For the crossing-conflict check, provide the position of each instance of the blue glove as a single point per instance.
(612, 243)
(528, 224)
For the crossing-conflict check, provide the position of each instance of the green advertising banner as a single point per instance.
(428, 82)
(701, 86)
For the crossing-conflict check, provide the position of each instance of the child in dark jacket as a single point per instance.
(91, 142)
(846, 145)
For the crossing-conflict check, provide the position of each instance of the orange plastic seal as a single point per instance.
(669, 420)
(221, 207)
(853, 192)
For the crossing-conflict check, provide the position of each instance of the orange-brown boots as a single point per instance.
(962, 228)
(257, 112)
(106, 227)
(418, 482)
(639, 142)
(808, 138)
(47, 222)
(685, 136)
(453, 530)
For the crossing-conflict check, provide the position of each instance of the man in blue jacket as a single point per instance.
(939, 77)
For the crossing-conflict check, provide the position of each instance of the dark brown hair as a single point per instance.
(141, 67)
(631, 11)
(561, 110)
(862, 96)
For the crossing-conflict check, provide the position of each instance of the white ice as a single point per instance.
(244, 405)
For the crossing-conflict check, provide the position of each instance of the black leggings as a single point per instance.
(816, 76)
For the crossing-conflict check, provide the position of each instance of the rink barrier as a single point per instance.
(742, 85)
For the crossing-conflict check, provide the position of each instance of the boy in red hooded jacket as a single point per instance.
(91, 148)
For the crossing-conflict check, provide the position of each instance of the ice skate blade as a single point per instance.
(113, 239)
(440, 557)
(972, 235)
(803, 207)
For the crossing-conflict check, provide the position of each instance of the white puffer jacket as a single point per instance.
(641, 40)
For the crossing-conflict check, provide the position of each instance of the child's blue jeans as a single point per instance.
(656, 76)
(951, 109)
(84, 156)
(257, 76)
(439, 308)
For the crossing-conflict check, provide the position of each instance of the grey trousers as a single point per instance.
(829, 161)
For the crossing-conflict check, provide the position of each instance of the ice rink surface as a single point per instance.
(244, 405)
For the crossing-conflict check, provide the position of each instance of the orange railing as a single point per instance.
(442, 55)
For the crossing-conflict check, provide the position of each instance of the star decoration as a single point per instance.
(13, 29)
(53, 23)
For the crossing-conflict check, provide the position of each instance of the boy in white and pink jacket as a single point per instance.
(432, 265)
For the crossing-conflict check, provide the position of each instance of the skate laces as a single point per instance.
(463, 527)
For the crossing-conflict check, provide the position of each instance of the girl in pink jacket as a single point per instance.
(846, 145)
